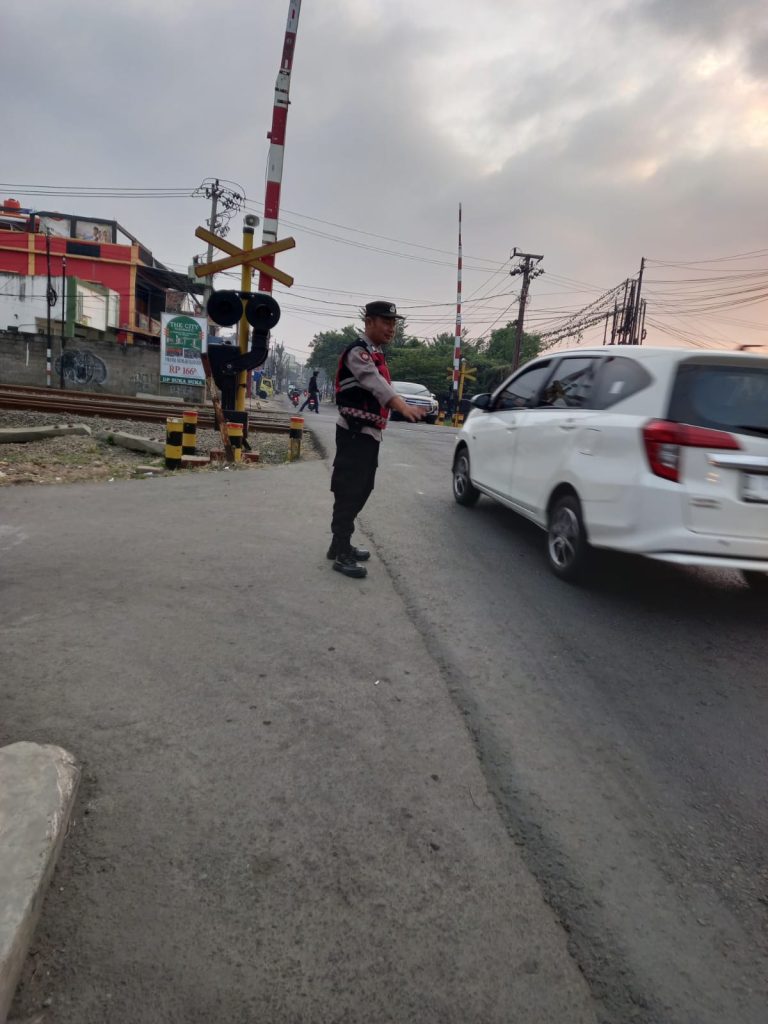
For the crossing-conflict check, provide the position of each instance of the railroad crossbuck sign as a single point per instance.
(240, 257)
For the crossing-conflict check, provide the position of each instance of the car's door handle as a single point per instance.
(568, 425)
(511, 427)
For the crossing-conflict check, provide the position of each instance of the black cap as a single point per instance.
(385, 309)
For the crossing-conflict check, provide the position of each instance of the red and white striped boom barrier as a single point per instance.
(277, 140)
(457, 338)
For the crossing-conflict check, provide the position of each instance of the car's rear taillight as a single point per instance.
(664, 441)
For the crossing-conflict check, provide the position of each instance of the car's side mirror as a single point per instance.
(480, 401)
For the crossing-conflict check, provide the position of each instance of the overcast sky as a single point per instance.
(593, 133)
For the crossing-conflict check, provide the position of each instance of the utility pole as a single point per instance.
(225, 203)
(635, 338)
(63, 316)
(212, 192)
(628, 314)
(529, 268)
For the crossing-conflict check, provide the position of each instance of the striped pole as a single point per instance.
(277, 140)
(235, 431)
(189, 437)
(457, 337)
(294, 444)
(174, 431)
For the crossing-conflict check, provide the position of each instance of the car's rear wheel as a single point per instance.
(463, 489)
(757, 581)
(567, 545)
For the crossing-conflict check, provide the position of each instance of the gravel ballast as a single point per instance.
(77, 459)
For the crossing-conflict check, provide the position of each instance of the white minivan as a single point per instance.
(659, 452)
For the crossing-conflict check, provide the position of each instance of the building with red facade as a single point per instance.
(100, 254)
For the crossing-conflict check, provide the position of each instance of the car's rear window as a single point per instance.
(721, 396)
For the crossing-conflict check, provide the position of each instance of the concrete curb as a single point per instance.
(37, 791)
(20, 435)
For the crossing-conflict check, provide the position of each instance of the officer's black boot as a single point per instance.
(359, 554)
(346, 564)
(345, 558)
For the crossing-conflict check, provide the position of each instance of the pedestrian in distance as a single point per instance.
(313, 394)
(364, 398)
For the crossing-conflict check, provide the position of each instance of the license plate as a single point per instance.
(754, 487)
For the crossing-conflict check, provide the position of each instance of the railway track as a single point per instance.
(123, 407)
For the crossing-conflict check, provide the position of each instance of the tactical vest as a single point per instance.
(356, 404)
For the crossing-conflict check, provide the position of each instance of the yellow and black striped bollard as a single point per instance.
(235, 431)
(174, 429)
(189, 438)
(294, 445)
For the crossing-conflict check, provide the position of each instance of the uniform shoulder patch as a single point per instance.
(364, 355)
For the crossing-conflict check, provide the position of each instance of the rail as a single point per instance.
(87, 403)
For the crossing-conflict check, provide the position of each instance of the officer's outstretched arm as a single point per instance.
(408, 412)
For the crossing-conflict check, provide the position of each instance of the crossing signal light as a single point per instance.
(262, 312)
(225, 308)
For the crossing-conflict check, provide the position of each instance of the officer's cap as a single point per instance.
(381, 308)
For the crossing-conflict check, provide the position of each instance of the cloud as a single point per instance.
(710, 20)
(595, 133)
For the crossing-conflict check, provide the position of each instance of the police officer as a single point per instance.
(364, 397)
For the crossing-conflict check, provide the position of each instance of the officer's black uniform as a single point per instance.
(363, 392)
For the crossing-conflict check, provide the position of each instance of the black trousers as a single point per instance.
(354, 472)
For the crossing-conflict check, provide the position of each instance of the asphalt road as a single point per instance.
(282, 817)
(621, 728)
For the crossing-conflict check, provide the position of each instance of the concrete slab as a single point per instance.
(37, 791)
(133, 442)
(18, 435)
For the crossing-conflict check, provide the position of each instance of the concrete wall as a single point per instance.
(23, 304)
(90, 365)
(23, 301)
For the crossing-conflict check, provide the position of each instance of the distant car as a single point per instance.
(266, 388)
(418, 396)
(653, 451)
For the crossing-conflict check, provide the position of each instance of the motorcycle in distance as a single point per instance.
(311, 401)
(294, 394)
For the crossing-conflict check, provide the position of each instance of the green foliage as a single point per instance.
(420, 364)
(327, 346)
(501, 346)
(430, 363)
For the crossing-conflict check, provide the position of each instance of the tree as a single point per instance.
(276, 364)
(499, 353)
(327, 347)
(501, 345)
(430, 365)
